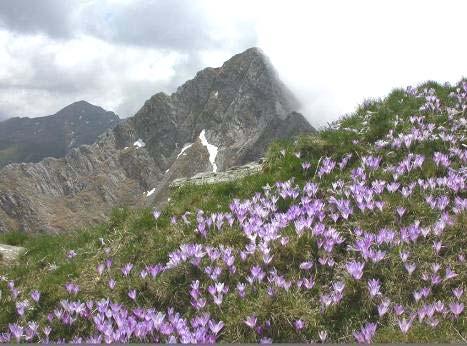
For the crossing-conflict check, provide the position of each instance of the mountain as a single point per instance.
(33, 139)
(223, 117)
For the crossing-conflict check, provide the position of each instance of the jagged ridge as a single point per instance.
(242, 106)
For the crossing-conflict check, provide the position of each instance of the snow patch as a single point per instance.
(139, 143)
(183, 150)
(212, 149)
(149, 193)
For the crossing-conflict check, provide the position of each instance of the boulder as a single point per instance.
(10, 254)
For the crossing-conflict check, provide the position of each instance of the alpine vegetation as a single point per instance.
(352, 234)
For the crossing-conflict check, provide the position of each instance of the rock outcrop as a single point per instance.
(224, 117)
(10, 254)
(231, 174)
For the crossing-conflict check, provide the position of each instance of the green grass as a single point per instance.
(134, 236)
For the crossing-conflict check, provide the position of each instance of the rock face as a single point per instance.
(33, 139)
(222, 118)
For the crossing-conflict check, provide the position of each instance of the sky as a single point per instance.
(117, 53)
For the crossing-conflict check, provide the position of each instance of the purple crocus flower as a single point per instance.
(216, 327)
(267, 258)
(456, 308)
(404, 256)
(338, 286)
(265, 341)
(366, 333)
(251, 321)
(437, 245)
(112, 283)
(155, 270)
(218, 299)
(383, 307)
(156, 214)
(436, 279)
(21, 307)
(417, 295)
(326, 300)
(400, 211)
(405, 325)
(132, 294)
(71, 254)
(327, 166)
(299, 325)
(374, 286)
(108, 263)
(126, 269)
(47, 330)
(306, 265)
(410, 267)
(458, 292)
(308, 283)
(355, 269)
(241, 289)
(432, 322)
(441, 159)
(72, 288)
(143, 274)
(36, 296)
(449, 274)
(425, 291)
(306, 166)
(323, 335)
(398, 309)
(257, 273)
(16, 331)
(100, 268)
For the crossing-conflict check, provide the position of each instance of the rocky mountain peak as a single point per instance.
(33, 139)
(77, 108)
(223, 117)
(230, 103)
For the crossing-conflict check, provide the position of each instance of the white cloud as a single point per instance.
(40, 75)
(332, 54)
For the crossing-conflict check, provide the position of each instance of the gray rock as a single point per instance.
(229, 175)
(242, 106)
(9, 254)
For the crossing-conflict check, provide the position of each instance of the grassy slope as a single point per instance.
(134, 236)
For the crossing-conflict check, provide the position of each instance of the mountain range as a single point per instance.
(223, 117)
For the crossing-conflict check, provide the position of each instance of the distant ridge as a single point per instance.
(33, 139)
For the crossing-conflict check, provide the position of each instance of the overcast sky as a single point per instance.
(117, 53)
